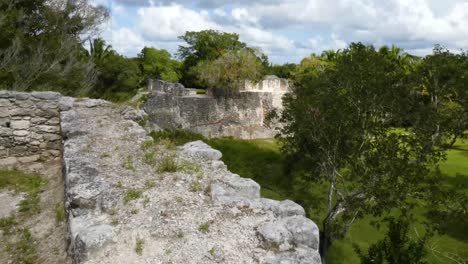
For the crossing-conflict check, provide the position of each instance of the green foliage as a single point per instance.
(397, 246)
(139, 246)
(157, 64)
(40, 46)
(339, 130)
(7, 224)
(206, 45)
(283, 71)
(29, 184)
(204, 228)
(228, 73)
(24, 250)
(132, 194)
(168, 163)
(176, 136)
(119, 77)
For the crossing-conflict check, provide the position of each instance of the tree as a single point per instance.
(118, 77)
(397, 247)
(40, 45)
(157, 64)
(282, 71)
(205, 46)
(338, 125)
(441, 83)
(228, 73)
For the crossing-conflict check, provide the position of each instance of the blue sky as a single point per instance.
(289, 30)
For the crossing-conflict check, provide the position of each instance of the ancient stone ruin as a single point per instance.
(132, 200)
(171, 105)
(29, 127)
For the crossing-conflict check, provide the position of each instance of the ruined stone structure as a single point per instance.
(123, 208)
(29, 127)
(242, 115)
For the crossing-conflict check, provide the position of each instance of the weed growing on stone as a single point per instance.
(204, 228)
(146, 201)
(207, 190)
(113, 212)
(139, 246)
(147, 145)
(188, 167)
(168, 164)
(128, 164)
(134, 211)
(59, 212)
(150, 158)
(119, 184)
(211, 251)
(115, 222)
(131, 195)
(105, 155)
(179, 199)
(180, 234)
(195, 186)
(149, 184)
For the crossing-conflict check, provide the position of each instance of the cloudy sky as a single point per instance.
(288, 30)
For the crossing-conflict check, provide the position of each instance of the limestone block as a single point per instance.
(20, 124)
(46, 95)
(53, 121)
(51, 137)
(21, 96)
(39, 120)
(21, 133)
(4, 112)
(5, 94)
(8, 162)
(91, 238)
(304, 231)
(29, 159)
(289, 208)
(49, 129)
(66, 103)
(200, 149)
(274, 234)
(45, 105)
(5, 103)
(25, 104)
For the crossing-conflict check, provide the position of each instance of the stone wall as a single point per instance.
(29, 127)
(241, 116)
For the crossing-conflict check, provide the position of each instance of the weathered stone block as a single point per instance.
(46, 95)
(10, 161)
(20, 124)
(5, 103)
(21, 133)
(29, 159)
(48, 129)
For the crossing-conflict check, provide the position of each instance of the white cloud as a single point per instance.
(287, 30)
(169, 22)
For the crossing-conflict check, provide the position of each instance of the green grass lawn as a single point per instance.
(262, 161)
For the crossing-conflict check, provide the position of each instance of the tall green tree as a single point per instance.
(118, 77)
(41, 47)
(158, 64)
(338, 125)
(202, 46)
(228, 73)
